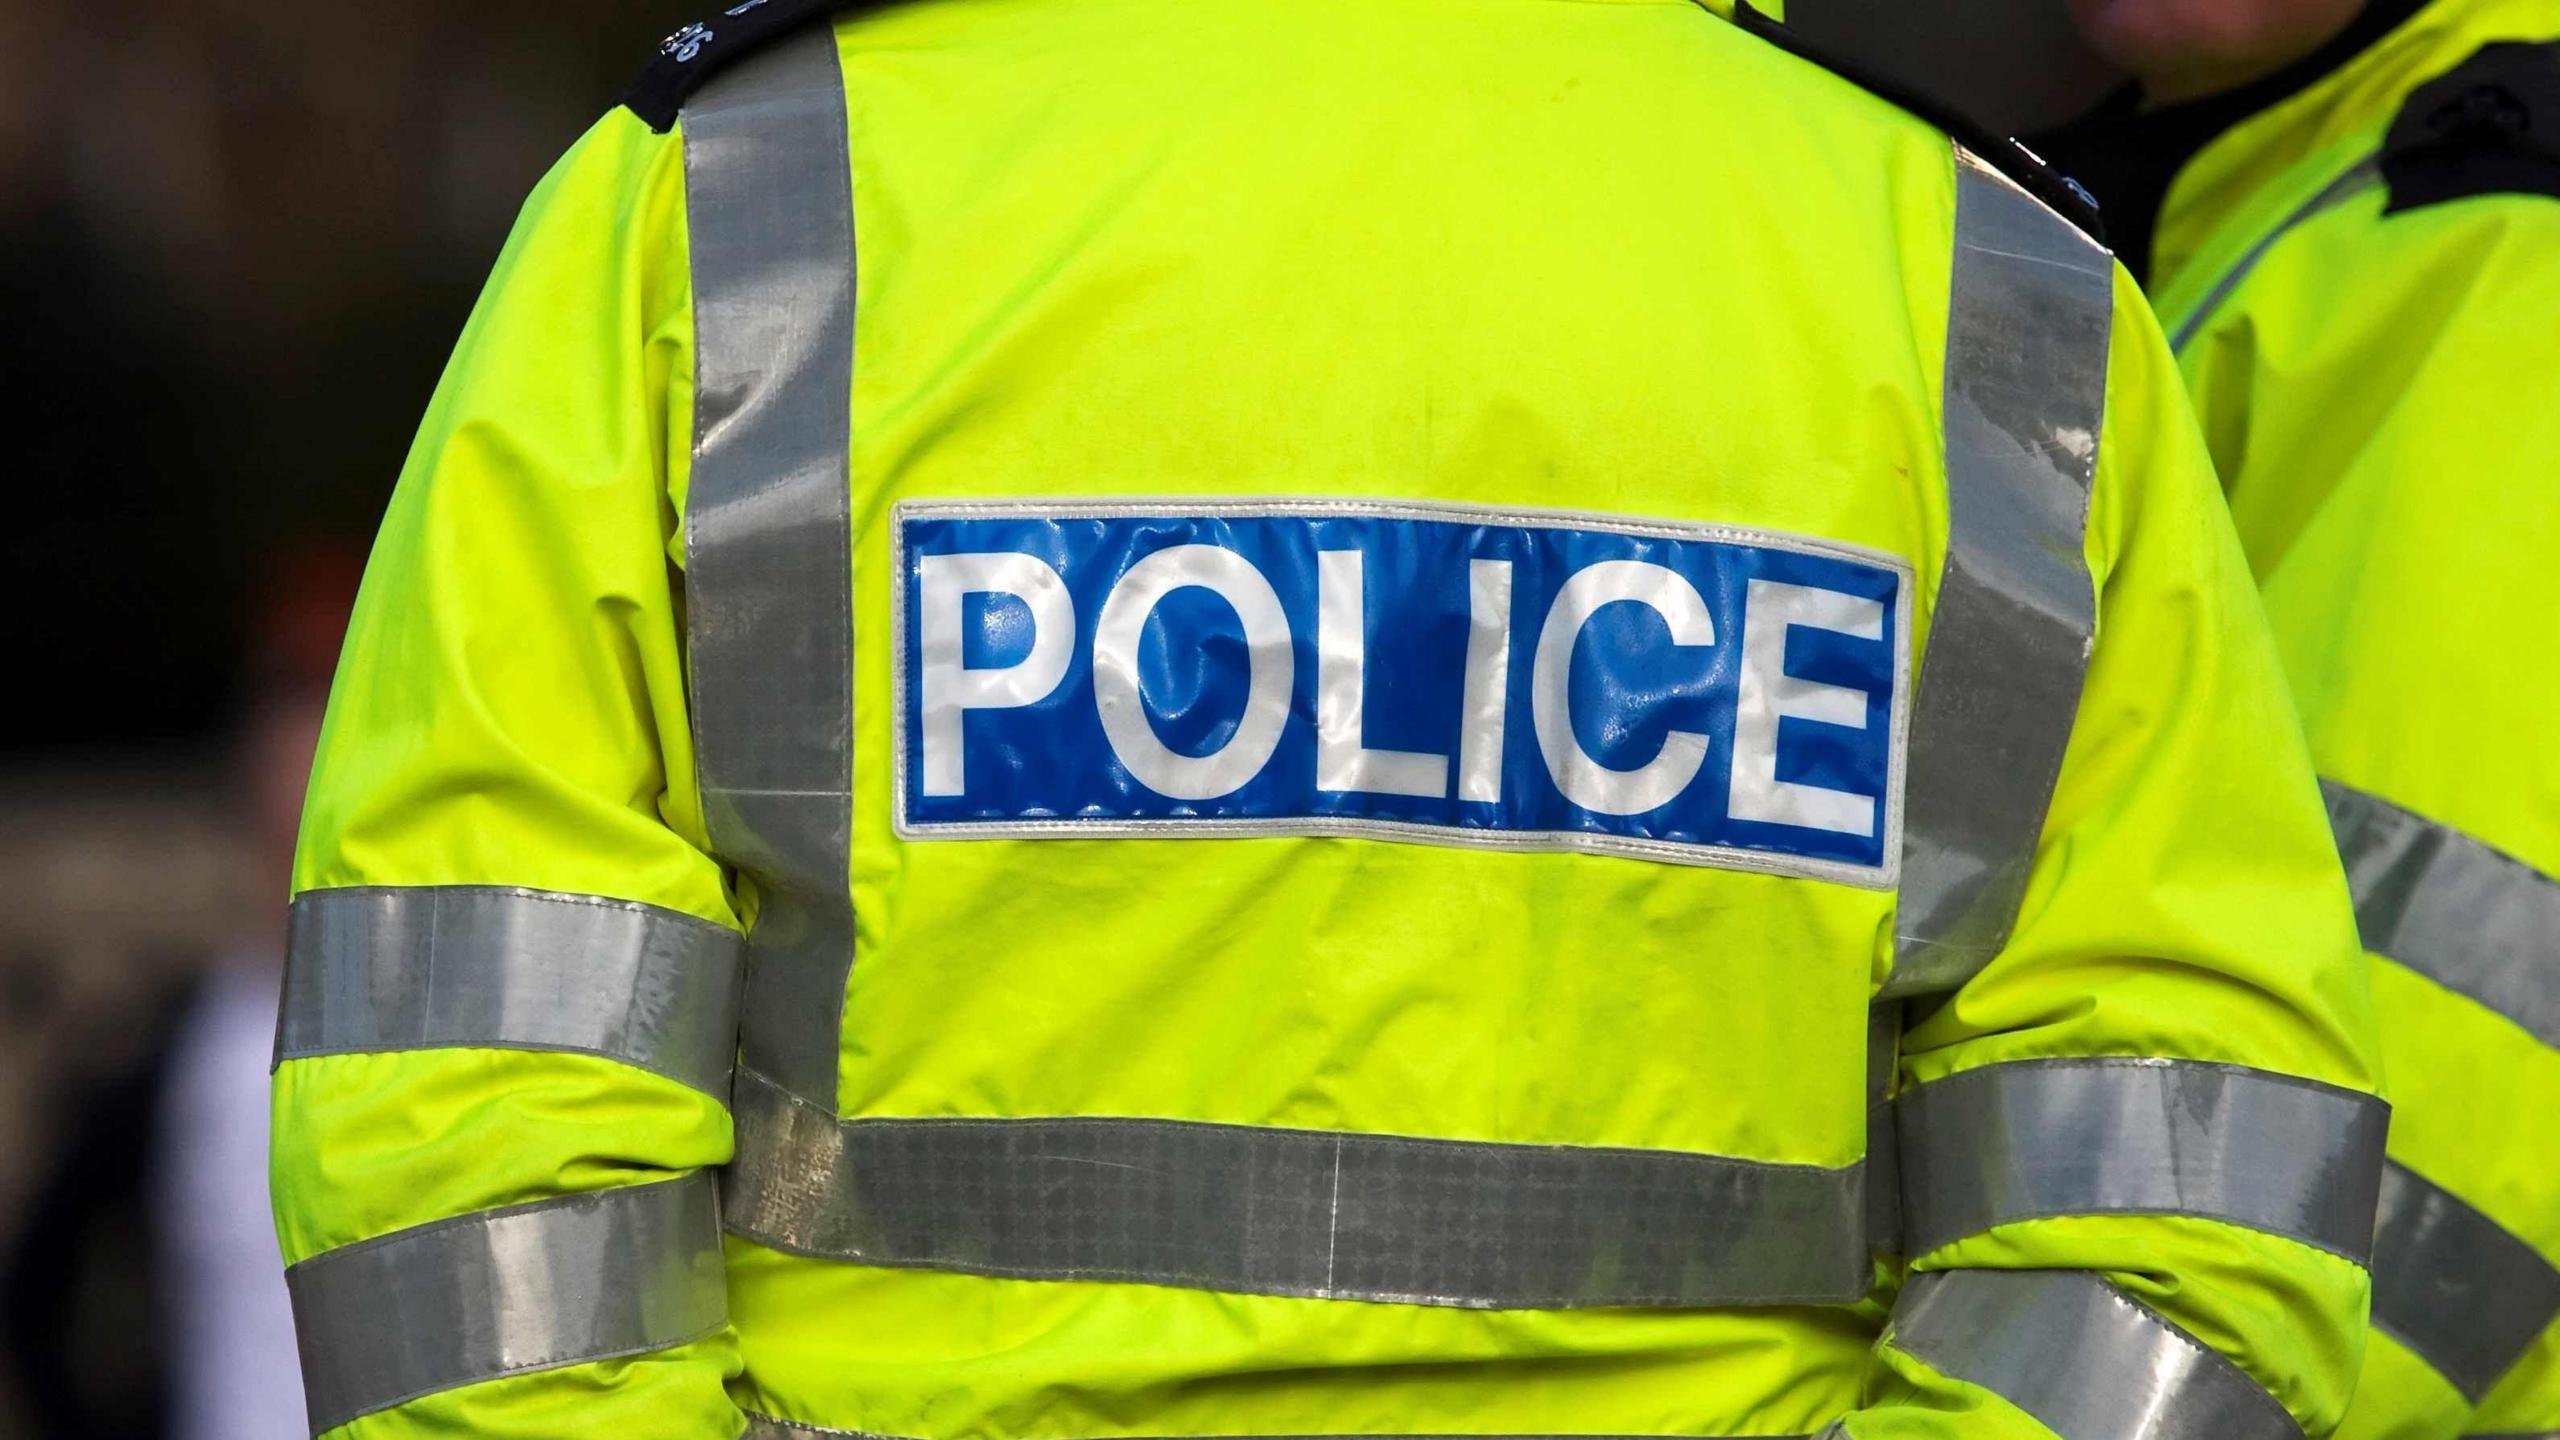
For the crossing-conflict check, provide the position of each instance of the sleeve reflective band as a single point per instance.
(2039, 1138)
(2459, 1290)
(1321, 1214)
(2086, 1360)
(768, 537)
(461, 966)
(2468, 917)
(530, 1287)
(2026, 391)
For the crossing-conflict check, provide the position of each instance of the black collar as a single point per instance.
(2127, 156)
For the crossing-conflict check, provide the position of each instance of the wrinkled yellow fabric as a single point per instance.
(2380, 397)
(1505, 251)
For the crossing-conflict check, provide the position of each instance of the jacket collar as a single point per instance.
(2158, 169)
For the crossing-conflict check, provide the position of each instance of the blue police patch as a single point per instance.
(1439, 674)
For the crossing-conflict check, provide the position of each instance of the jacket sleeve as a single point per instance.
(2139, 1145)
(509, 1012)
(2391, 418)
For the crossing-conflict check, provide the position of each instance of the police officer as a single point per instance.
(1251, 719)
(2352, 226)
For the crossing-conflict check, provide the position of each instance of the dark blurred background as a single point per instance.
(235, 243)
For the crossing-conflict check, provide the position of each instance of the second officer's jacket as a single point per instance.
(2360, 261)
(1344, 717)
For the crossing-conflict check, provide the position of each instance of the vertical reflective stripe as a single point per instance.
(2458, 1289)
(388, 968)
(1884, 1151)
(2026, 386)
(2362, 177)
(531, 1287)
(768, 586)
(2470, 918)
(2086, 1360)
(2039, 1138)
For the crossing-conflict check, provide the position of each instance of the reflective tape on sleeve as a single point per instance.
(768, 538)
(2462, 1292)
(2026, 385)
(2471, 918)
(2041, 1138)
(2083, 1358)
(502, 1292)
(456, 966)
(1321, 1214)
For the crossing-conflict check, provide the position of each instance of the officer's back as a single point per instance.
(1349, 584)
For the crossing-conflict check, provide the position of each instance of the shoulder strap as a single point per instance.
(2489, 126)
(691, 56)
(2059, 192)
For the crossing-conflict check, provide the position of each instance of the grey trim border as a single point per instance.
(1726, 857)
(502, 1292)
(2461, 1291)
(2364, 175)
(2086, 1360)
(768, 530)
(1317, 1214)
(387, 968)
(2471, 918)
(2033, 1139)
(2031, 307)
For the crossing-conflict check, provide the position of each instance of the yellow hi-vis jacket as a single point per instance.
(1312, 717)
(2361, 262)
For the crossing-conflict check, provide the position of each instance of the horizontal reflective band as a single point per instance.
(1294, 1212)
(2042, 1138)
(2462, 1292)
(2086, 1360)
(2032, 305)
(439, 967)
(531, 1287)
(766, 1428)
(2466, 916)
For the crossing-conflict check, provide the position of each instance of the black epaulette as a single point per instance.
(703, 49)
(2063, 194)
(2488, 126)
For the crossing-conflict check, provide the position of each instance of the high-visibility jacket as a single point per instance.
(2360, 260)
(1303, 684)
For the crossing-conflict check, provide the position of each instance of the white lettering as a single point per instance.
(1770, 694)
(1585, 781)
(1486, 706)
(1342, 694)
(1123, 708)
(951, 689)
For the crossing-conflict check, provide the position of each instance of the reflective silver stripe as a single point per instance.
(2462, 1292)
(2362, 177)
(531, 1287)
(2026, 393)
(1294, 1212)
(769, 1428)
(2083, 1358)
(2470, 918)
(2040, 1138)
(768, 543)
(440, 967)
